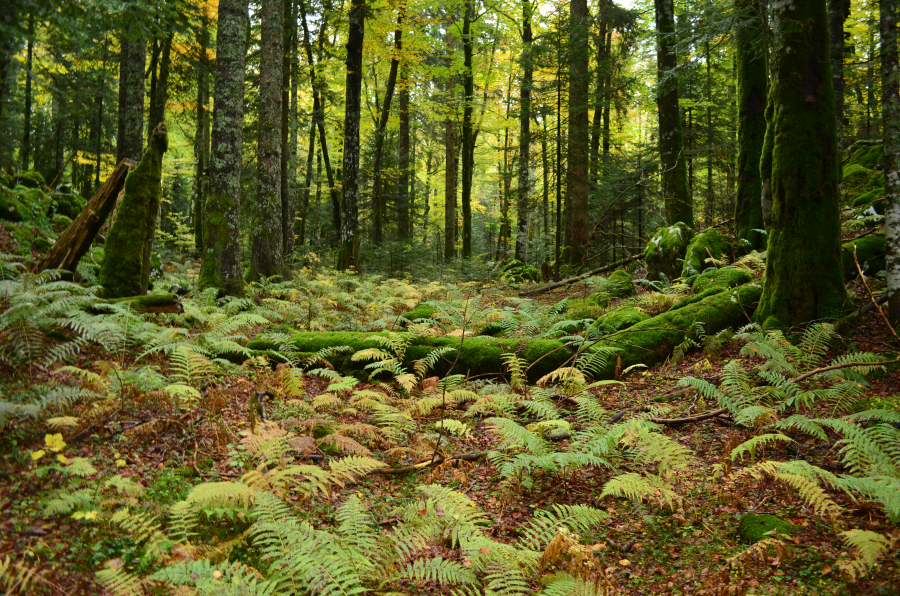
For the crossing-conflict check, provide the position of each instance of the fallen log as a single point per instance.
(435, 461)
(153, 303)
(75, 241)
(572, 280)
(653, 341)
(478, 355)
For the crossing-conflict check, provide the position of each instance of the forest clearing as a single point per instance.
(389, 297)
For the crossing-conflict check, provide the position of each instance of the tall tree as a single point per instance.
(288, 208)
(671, 140)
(29, 67)
(221, 263)
(804, 279)
(468, 134)
(890, 117)
(404, 197)
(838, 11)
(579, 130)
(751, 95)
(132, 61)
(201, 137)
(378, 202)
(450, 157)
(160, 91)
(349, 252)
(266, 250)
(524, 134)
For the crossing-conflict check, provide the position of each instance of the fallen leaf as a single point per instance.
(624, 562)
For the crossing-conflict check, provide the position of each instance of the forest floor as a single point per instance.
(644, 548)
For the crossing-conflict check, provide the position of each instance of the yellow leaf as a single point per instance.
(55, 442)
(36, 455)
(120, 463)
(624, 562)
(62, 458)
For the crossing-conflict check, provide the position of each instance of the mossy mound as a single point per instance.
(652, 341)
(706, 243)
(665, 250)
(622, 318)
(867, 156)
(68, 204)
(419, 312)
(518, 272)
(589, 308)
(478, 356)
(620, 284)
(860, 179)
(873, 198)
(721, 279)
(11, 208)
(29, 179)
(754, 527)
(870, 251)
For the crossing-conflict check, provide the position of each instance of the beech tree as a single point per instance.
(349, 251)
(890, 117)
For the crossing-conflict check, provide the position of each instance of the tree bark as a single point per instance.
(579, 131)
(266, 244)
(449, 160)
(671, 141)
(157, 113)
(349, 252)
(297, 227)
(752, 89)
(890, 116)
(403, 159)
(221, 255)
(75, 241)
(468, 140)
(201, 137)
(288, 207)
(132, 61)
(804, 278)
(522, 207)
(838, 11)
(26, 125)
(377, 198)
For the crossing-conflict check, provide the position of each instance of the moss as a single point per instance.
(125, 269)
(42, 244)
(754, 527)
(620, 284)
(68, 204)
(874, 197)
(60, 222)
(859, 179)
(589, 308)
(867, 156)
(665, 250)
(652, 341)
(622, 318)
(721, 279)
(479, 356)
(29, 179)
(149, 300)
(419, 312)
(11, 208)
(709, 241)
(870, 251)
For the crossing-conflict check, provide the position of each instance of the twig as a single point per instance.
(869, 291)
(571, 280)
(471, 456)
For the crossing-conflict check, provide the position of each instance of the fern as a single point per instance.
(869, 547)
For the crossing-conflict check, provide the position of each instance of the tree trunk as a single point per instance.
(607, 96)
(377, 198)
(752, 90)
(349, 252)
(522, 206)
(708, 204)
(26, 125)
(468, 140)
(201, 137)
(804, 278)
(157, 113)
(297, 227)
(75, 241)
(671, 141)
(545, 172)
(579, 131)
(403, 159)
(288, 208)
(125, 270)
(450, 160)
(307, 184)
(132, 61)
(597, 123)
(221, 255)
(266, 244)
(838, 11)
(890, 116)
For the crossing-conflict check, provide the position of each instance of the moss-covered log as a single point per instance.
(479, 355)
(665, 250)
(126, 263)
(653, 340)
(709, 242)
(622, 318)
(153, 303)
(804, 280)
(870, 252)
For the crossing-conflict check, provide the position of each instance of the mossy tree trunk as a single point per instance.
(266, 256)
(752, 91)
(349, 232)
(125, 270)
(221, 264)
(679, 206)
(288, 208)
(838, 11)
(804, 278)
(890, 116)
(524, 190)
(25, 153)
(132, 61)
(765, 165)
(201, 137)
(579, 129)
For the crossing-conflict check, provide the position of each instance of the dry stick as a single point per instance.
(571, 280)
(869, 291)
(471, 456)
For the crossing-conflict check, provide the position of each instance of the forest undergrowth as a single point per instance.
(163, 453)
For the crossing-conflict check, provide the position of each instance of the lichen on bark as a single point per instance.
(125, 268)
(803, 267)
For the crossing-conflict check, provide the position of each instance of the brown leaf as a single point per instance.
(303, 445)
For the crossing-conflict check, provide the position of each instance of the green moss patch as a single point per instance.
(620, 284)
(870, 251)
(754, 527)
(665, 250)
(589, 308)
(706, 243)
(721, 279)
(11, 208)
(867, 156)
(622, 318)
